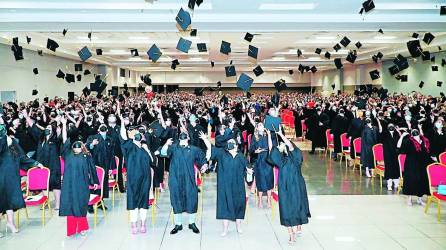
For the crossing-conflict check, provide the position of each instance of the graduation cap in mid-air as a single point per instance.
(290, 71)
(426, 55)
(244, 82)
(183, 20)
(60, 74)
(337, 47)
(78, 67)
(428, 38)
(191, 4)
(358, 45)
(249, 36)
(318, 51)
(381, 31)
(36, 71)
(421, 85)
(35, 92)
(69, 78)
(327, 55)
(79, 77)
(212, 64)
(193, 32)
(442, 10)
(146, 79)
(258, 70)
(351, 57)
(225, 48)
(64, 32)
(338, 63)
(52, 45)
(393, 70)
(17, 52)
(374, 74)
(84, 53)
(443, 62)
(299, 53)
(313, 69)
(134, 52)
(272, 123)
(301, 68)
(202, 47)
(87, 72)
(414, 48)
(367, 6)
(28, 39)
(253, 51)
(183, 45)
(230, 71)
(439, 83)
(280, 85)
(434, 68)
(40, 52)
(415, 35)
(345, 41)
(15, 41)
(174, 64)
(154, 53)
(99, 52)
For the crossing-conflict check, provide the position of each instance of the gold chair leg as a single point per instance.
(43, 214)
(428, 203)
(438, 209)
(95, 209)
(113, 197)
(18, 219)
(103, 208)
(26, 213)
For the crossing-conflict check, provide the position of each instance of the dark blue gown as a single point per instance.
(80, 172)
(263, 171)
(182, 185)
(231, 194)
(369, 138)
(293, 200)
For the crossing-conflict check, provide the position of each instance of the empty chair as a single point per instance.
(330, 144)
(436, 173)
(442, 158)
(345, 148)
(96, 199)
(378, 159)
(357, 156)
(38, 180)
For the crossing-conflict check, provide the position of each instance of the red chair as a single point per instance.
(401, 161)
(245, 138)
(378, 159)
(38, 180)
(22, 173)
(345, 149)
(95, 199)
(357, 156)
(442, 158)
(113, 181)
(436, 173)
(330, 142)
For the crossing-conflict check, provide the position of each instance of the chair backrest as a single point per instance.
(304, 126)
(401, 161)
(38, 179)
(378, 153)
(22, 172)
(357, 145)
(436, 173)
(100, 172)
(442, 158)
(328, 136)
(62, 165)
(345, 141)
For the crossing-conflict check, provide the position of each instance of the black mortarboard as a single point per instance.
(87, 72)
(184, 45)
(126, 87)
(202, 47)
(183, 20)
(351, 57)
(318, 51)
(434, 68)
(146, 79)
(327, 55)
(35, 92)
(64, 32)
(272, 123)
(381, 31)
(301, 68)
(443, 62)
(69, 78)
(394, 70)
(421, 85)
(225, 47)
(368, 5)
(15, 41)
(280, 85)
(212, 64)
(17, 51)
(79, 77)
(402, 78)
(375, 58)
(415, 35)
(443, 10)
(244, 82)
(99, 52)
(78, 67)
(379, 55)
(333, 86)
(198, 2)
(313, 69)
(89, 35)
(299, 53)
(358, 45)
(439, 83)
(40, 52)
(28, 39)
(253, 51)
(154, 53)
(414, 48)
(84, 53)
(258, 70)
(230, 71)
(52, 45)
(134, 52)
(191, 4)
(401, 62)
(36, 71)
(174, 64)
(114, 91)
(338, 63)
(290, 71)
(426, 55)
(70, 96)
(193, 32)
(374, 74)
(428, 38)
(198, 91)
(249, 36)
(345, 41)
(60, 74)
(337, 47)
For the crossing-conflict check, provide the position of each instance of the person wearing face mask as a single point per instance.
(231, 192)
(102, 148)
(264, 175)
(139, 177)
(317, 124)
(47, 153)
(369, 137)
(193, 130)
(389, 138)
(80, 173)
(23, 135)
(170, 131)
(293, 198)
(354, 130)
(182, 182)
(417, 150)
(87, 128)
(113, 131)
(438, 140)
(339, 126)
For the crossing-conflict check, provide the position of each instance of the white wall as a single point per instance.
(18, 75)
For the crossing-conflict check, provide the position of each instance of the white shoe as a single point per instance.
(240, 231)
(409, 203)
(299, 233)
(389, 188)
(224, 234)
(421, 202)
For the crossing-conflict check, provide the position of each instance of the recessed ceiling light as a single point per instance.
(285, 6)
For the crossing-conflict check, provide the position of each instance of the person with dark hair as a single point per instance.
(369, 138)
(389, 137)
(339, 126)
(317, 124)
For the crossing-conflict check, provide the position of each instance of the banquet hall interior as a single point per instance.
(354, 55)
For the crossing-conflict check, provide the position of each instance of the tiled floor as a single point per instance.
(349, 212)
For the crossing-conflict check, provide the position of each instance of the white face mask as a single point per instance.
(408, 118)
(438, 125)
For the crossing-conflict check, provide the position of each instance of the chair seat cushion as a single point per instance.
(275, 196)
(94, 199)
(111, 183)
(439, 196)
(331, 145)
(34, 200)
(150, 202)
(380, 167)
(347, 152)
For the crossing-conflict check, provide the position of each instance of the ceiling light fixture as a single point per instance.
(285, 6)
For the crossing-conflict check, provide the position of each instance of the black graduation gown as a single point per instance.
(103, 156)
(194, 134)
(263, 171)
(182, 186)
(298, 123)
(339, 126)
(139, 177)
(392, 168)
(80, 173)
(316, 132)
(354, 131)
(231, 194)
(169, 132)
(415, 174)
(437, 143)
(48, 152)
(11, 159)
(154, 142)
(293, 199)
(369, 138)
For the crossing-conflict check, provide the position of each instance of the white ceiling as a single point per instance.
(282, 27)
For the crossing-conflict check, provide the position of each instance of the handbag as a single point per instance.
(441, 188)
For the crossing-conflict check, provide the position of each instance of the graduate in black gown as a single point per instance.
(12, 157)
(369, 138)
(80, 173)
(438, 140)
(182, 185)
(389, 138)
(231, 191)
(298, 114)
(102, 148)
(139, 177)
(293, 199)
(339, 126)
(317, 124)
